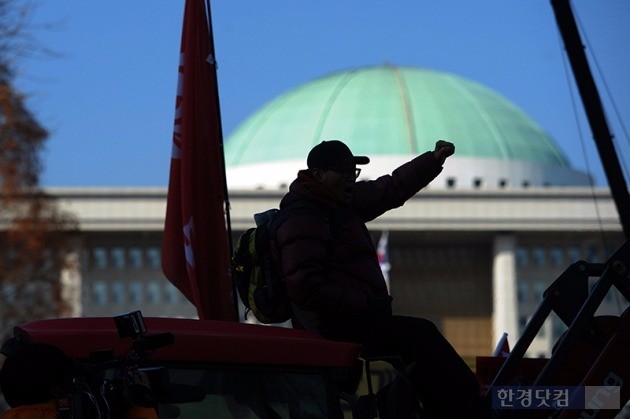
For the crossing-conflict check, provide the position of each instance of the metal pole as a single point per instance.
(594, 110)
(222, 154)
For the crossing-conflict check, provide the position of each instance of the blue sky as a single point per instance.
(107, 94)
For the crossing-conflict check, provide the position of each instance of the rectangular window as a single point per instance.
(523, 292)
(118, 292)
(99, 293)
(154, 292)
(118, 257)
(136, 292)
(154, 257)
(539, 256)
(522, 257)
(136, 258)
(99, 258)
(556, 256)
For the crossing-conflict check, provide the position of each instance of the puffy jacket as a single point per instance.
(327, 255)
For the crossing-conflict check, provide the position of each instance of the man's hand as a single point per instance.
(443, 149)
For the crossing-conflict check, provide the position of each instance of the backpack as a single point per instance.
(261, 287)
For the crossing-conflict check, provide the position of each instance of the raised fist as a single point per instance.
(443, 149)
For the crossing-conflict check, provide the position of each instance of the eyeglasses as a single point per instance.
(348, 173)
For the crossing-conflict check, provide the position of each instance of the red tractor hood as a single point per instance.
(197, 341)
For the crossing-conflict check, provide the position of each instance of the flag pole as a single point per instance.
(222, 155)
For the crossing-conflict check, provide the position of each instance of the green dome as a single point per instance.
(388, 110)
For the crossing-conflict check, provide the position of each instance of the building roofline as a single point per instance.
(114, 209)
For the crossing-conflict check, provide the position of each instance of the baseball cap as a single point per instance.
(333, 153)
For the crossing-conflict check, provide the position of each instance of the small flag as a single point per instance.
(503, 347)
(383, 257)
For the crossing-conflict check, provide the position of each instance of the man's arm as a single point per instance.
(373, 198)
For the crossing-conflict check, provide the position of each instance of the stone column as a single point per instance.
(71, 283)
(504, 290)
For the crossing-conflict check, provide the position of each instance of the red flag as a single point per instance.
(195, 250)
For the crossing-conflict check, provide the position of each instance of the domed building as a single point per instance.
(473, 252)
(392, 114)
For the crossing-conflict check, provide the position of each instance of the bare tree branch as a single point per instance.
(36, 237)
